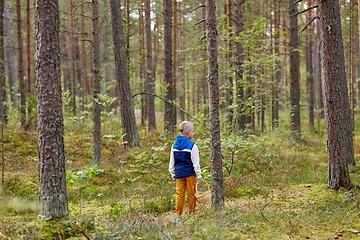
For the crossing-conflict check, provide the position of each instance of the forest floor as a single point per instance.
(274, 189)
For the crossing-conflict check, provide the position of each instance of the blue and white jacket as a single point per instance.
(184, 158)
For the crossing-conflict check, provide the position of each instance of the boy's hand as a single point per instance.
(174, 178)
(200, 180)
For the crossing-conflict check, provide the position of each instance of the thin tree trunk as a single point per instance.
(9, 57)
(352, 65)
(217, 193)
(169, 125)
(295, 128)
(21, 67)
(174, 66)
(128, 120)
(277, 78)
(337, 109)
(86, 90)
(239, 67)
(142, 64)
(149, 69)
(28, 57)
(72, 47)
(96, 30)
(310, 70)
(319, 72)
(3, 97)
(52, 178)
(229, 96)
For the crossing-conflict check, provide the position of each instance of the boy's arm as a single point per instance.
(172, 164)
(196, 160)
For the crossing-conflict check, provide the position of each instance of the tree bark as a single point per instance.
(309, 69)
(128, 120)
(96, 30)
(217, 193)
(52, 177)
(9, 57)
(295, 128)
(239, 68)
(320, 98)
(149, 69)
(28, 56)
(277, 78)
(169, 124)
(72, 62)
(86, 90)
(337, 109)
(229, 96)
(142, 64)
(174, 66)
(21, 66)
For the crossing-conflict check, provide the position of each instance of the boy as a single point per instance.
(184, 167)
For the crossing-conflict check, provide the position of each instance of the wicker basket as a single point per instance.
(203, 197)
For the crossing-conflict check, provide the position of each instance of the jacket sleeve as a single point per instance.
(172, 163)
(196, 160)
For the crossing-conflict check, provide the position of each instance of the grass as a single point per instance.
(274, 189)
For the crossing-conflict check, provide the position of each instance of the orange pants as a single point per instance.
(187, 183)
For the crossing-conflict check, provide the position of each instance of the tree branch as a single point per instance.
(196, 8)
(317, 17)
(79, 6)
(152, 94)
(316, 6)
(203, 20)
(82, 231)
(292, 5)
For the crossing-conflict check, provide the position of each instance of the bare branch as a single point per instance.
(82, 231)
(317, 17)
(292, 5)
(79, 6)
(316, 6)
(3, 236)
(196, 8)
(152, 94)
(203, 20)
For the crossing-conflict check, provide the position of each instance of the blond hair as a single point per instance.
(185, 127)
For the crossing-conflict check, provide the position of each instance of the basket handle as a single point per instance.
(204, 182)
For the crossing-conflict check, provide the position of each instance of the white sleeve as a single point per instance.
(195, 160)
(172, 163)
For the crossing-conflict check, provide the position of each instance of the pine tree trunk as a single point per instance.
(229, 96)
(3, 108)
(28, 56)
(72, 47)
(142, 64)
(96, 30)
(174, 66)
(9, 57)
(52, 178)
(86, 89)
(21, 66)
(277, 78)
(128, 120)
(239, 67)
(149, 69)
(320, 98)
(310, 70)
(217, 193)
(169, 125)
(295, 128)
(337, 109)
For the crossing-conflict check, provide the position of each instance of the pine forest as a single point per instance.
(111, 110)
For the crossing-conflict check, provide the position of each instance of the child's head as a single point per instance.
(186, 128)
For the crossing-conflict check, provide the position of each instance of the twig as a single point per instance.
(152, 94)
(79, 6)
(317, 17)
(308, 9)
(292, 5)
(82, 231)
(262, 209)
(196, 8)
(203, 20)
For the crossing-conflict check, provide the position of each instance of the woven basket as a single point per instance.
(203, 197)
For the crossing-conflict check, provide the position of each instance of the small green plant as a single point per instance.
(84, 176)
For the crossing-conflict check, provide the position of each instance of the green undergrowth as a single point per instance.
(274, 189)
